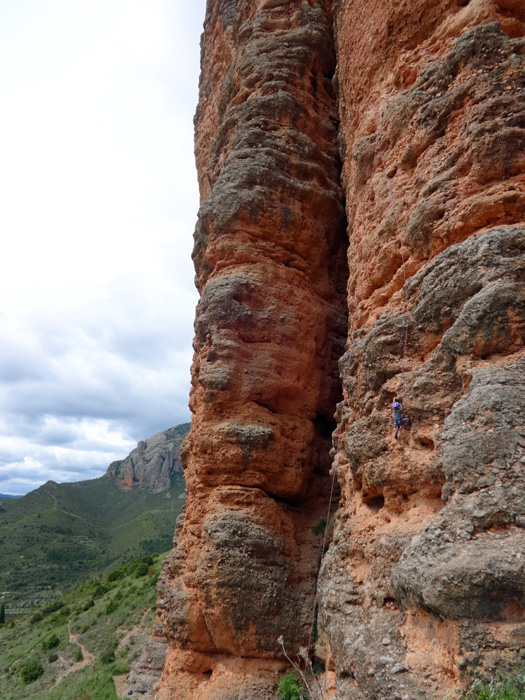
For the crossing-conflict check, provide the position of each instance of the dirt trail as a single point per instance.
(86, 661)
(88, 656)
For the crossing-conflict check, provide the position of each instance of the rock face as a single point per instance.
(270, 256)
(153, 464)
(422, 589)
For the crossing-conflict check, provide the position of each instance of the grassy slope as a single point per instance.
(102, 613)
(58, 535)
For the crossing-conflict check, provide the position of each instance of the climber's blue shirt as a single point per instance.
(398, 415)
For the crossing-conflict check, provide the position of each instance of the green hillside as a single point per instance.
(61, 534)
(75, 646)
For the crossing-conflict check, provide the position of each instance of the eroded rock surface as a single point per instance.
(153, 464)
(420, 591)
(421, 103)
(270, 258)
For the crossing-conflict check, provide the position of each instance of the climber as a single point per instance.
(399, 421)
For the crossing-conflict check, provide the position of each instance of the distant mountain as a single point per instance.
(153, 464)
(60, 534)
(6, 495)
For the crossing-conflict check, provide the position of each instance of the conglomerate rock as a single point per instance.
(421, 102)
(270, 258)
(153, 464)
(422, 588)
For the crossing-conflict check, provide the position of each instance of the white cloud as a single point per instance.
(99, 205)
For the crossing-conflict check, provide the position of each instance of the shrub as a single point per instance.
(320, 527)
(51, 642)
(31, 670)
(89, 604)
(111, 606)
(57, 617)
(510, 687)
(52, 606)
(37, 617)
(117, 574)
(141, 570)
(290, 687)
(99, 590)
(120, 668)
(108, 654)
(52, 657)
(78, 655)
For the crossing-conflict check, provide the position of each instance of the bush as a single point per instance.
(52, 657)
(117, 574)
(78, 655)
(120, 668)
(51, 642)
(111, 606)
(291, 688)
(99, 591)
(503, 688)
(31, 670)
(108, 654)
(320, 527)
(52, 606)
(142, 569)
(37, 617)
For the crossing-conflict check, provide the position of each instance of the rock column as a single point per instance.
(270, 326)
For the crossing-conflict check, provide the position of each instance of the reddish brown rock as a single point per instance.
(271, 323)
(422, 587)
(418, 597)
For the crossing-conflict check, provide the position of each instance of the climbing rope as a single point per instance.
(323, 548)
(368, 198)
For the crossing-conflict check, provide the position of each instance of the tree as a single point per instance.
(2, 614)
(31, 671)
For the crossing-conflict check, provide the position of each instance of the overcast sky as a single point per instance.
(99, 200)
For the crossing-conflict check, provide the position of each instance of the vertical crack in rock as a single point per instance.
(271, 268)
(422, 588)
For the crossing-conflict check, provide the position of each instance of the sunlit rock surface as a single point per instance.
(421, 590)
(381, 172)
(270, 258)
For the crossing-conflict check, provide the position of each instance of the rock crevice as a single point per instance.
(360, 237)
(270, 259)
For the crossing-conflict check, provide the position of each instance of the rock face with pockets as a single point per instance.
(421, 590)
(360, 237)
(270, 260)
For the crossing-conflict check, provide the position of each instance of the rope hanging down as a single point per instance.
(393, 198)
(323, 549)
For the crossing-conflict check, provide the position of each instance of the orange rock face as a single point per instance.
(422, 588)
(270, 257)
(420, 591)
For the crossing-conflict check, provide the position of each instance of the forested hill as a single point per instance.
(60, 534)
